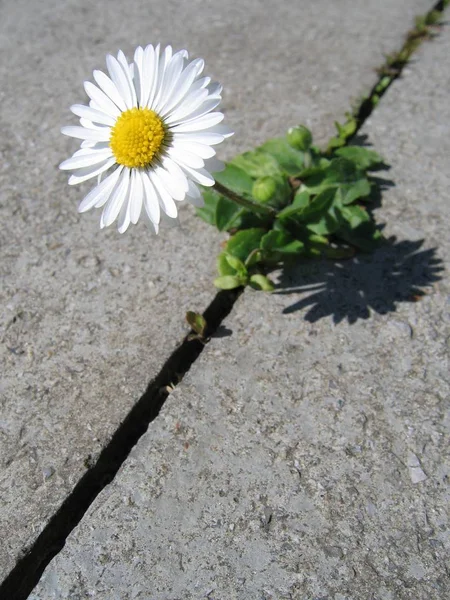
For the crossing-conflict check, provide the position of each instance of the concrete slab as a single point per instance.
(305, 455)
(88, 318)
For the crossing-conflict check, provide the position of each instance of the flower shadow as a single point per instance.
(399, 271)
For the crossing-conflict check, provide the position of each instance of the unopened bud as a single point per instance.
(264, 189)
(299, 138)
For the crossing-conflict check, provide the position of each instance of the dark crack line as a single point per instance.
(393, 68)
(26, 574)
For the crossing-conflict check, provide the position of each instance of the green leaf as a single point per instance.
(341, 170)
(242, 243)
(257, 163)
(300, 202)
(365, 237)
(226, 213)
(273, 190)
(261, 282)
(281, 242)
(326, 225)
(223, 266)
(229, 282)
(318, 206)
(362, 157)
(208, 211)
(291, 161)
(353, 191)
(236, 264)
(230, 265)
(354, 215)
(197, 322)
(235, 179)
(253, 258)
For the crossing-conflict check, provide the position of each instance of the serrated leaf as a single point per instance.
(229, 282)
(291, 161)
(362, 157)
(197, 322)
(242, 243)
(261, 282)
(257, 163)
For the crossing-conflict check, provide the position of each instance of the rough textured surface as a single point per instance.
(305, 456)
(88, 317)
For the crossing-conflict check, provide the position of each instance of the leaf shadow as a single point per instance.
(399, 271)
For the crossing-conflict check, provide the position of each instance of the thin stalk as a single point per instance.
(253, 206)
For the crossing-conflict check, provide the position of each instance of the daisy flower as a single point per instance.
(153, 123)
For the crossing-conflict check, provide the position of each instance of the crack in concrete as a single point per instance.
(26, 574)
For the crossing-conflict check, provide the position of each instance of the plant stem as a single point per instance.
(252, 206)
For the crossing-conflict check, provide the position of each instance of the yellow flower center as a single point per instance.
(137, 137)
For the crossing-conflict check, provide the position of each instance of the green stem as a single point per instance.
(252, 206)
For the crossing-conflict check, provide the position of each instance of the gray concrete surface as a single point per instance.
(88, 317)
(305, 456)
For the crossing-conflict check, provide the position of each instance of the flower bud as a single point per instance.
(299, 138)
(264, 189)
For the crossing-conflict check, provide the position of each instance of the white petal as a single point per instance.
(102, 101)
(136, 195)
(90, 125)
(175, 171)
(201, 137)
(93, 115)
(205, 107)
(120, 80)
(128, 70)
(184, 84)
(184, 157)
(171, 77)
(100, 194)
(165, 199)
(194, 195)
(138, 62)
(174, 186)
(96, 135)
(116, 200)
(200, 84)
(214, 89)
(200, 176)
(123, 220)
(107, 85)
(189, 104)
(204, 122)
(89, 172)
(151, 202)
(149, 73)
(222, 130)
(155, 79)
(195, 148)
(87, 159)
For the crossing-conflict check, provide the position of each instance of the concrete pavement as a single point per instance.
(306, 454)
